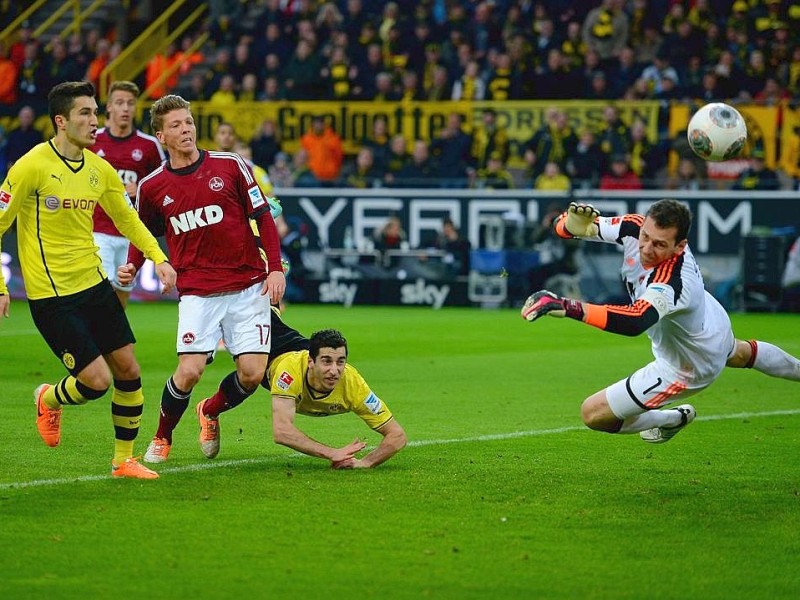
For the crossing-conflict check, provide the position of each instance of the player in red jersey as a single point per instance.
(133, 154)
(201, 202)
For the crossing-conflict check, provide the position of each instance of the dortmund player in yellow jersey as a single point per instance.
(319, 382)
(52, 192)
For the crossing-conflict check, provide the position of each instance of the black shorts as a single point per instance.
(80, 327)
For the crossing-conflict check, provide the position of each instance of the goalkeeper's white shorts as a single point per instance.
(653, 386)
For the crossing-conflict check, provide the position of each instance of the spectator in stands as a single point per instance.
(30, 77)
(417, 172)
(624, 73)
(218, 69)
(186, 57)
(325, 151)
(458, 249)
(605, 29)
(552, 179)
(598, 87)
(272, 91)
(378, 141)
(647, 157)
(495, 175)
(573, 47)
(660, 69)
(614, 136)
(248, 90)
(362, 173)
(648, 48)
(396, 159)
(242, 62)
(99, 62)
(554, 141)
(23, 137)
(197, 88)
(772, 94)
(469, 86)
(555, 79)
(8, 80)
(619, 176)
(301, 173)
(156, 66)
(757, 176)
(686, 177)
(266, 143)
(272, 67)
(491, 137)
(59, 66)
(440, 87)
(451, 153)
(280, 172)
(223, 17)
(585, 162)
(301, 76)
(691, 78)
(390, 237)
(369, 69)
(225, 95)
(503, 82)
(339, 75)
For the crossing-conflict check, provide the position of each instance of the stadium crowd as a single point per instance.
(692, 51)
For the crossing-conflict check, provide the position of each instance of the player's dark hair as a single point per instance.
(327, 338)
(164, 105)
(671, 213)
(61, 98)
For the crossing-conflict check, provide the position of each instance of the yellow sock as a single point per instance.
(126, 413)
(69, 391)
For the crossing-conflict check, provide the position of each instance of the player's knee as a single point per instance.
(187, 376)
(98, 381)
(741, 355)
(597, 416)
(250, 379)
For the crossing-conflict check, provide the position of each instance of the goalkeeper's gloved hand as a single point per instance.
(580, 220)
(275, 208)
(545, 302)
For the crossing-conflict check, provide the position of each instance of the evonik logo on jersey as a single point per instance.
(199, 217)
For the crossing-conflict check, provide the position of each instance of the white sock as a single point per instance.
(775, 362)
(650, 419)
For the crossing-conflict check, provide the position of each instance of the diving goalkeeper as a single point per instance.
(690, 332)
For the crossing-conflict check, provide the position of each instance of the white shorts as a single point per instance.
(649, 388)
(113, 253)
(242, 319)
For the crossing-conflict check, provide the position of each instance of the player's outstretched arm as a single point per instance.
(629, 320)
(394, 440)
(580, 221)
(285, 433)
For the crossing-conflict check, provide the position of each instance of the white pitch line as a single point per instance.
(219, 464)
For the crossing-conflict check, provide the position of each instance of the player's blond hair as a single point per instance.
(164, 105)
(124, 86)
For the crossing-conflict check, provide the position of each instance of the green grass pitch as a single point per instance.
(501, 493)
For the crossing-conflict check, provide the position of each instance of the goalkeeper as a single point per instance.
(690, 332)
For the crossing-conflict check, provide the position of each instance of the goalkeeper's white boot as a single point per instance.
(661, 435)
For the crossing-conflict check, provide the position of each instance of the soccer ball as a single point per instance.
(717, 132)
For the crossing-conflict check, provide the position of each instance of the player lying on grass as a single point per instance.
(691, 333)
(312, 377)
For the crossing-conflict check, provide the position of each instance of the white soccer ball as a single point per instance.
(717, 132)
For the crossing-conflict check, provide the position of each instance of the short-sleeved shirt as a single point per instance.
(287, 375)
(133, 156)
(203, 211)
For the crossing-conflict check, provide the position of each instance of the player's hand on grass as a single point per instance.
(166, 275)
(274, 286)
(5, 303)
(581, 220)
(545, 302)
(347, 453)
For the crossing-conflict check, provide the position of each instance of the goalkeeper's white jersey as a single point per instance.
(693, 337)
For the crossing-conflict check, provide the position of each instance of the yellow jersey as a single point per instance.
(53, 200)
(287, 377)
